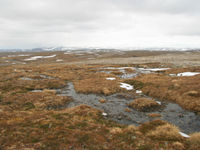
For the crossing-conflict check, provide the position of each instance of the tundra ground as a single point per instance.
(34, 113)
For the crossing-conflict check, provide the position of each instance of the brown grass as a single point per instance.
(35, 100)
(102, 101)
(143, 104)
(178, 146)
(98, 84)
(182, 90)
(153, 115)
(149, 126)
(129, 70)
(165, 132)
(117, 73)
(76, 127)
(194, 141)
(40, 120)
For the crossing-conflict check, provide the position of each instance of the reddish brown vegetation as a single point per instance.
(182, 90)
(143, 104)
(39, 120)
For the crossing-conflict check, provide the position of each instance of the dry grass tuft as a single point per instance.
(135, 83)
(165, 132)
(129, 70)
(154, 115)
(127, 110)
(193, 93)
(144, 104)
(148, 126)
(102, 101)
(178, 146)
(98, 84)
(115, 130)
(116, 73)
(194, 141)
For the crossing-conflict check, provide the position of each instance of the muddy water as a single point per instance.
(116, 104)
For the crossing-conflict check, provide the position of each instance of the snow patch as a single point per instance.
(158, 102)
(126, 86)
(184, 135)
(104, 114)
(120, 68)
(35, 91)
(110, 78)
(187, 74)
(59, 60)
(153, 69)
(138, 92)
(38, 57)
(18, 55)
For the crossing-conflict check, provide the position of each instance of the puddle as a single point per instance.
(41, 77)
(26, 78)
(137, 71)
(46, 76)
(116, 104)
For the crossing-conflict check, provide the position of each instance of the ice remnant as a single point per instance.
(188, 74)
(184, 135)
(110, 78)
(126, 86)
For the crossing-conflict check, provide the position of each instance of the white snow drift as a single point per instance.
(38, 57)
(126, 86)
(188, 74)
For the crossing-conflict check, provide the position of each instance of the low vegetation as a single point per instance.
(97, 83)
(33, 116)
(83, 127)
(182, 90)
(144, 104)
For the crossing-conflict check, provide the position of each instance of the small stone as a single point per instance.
(119, 117)
(102, 101)
(180, 115)
(127, 110)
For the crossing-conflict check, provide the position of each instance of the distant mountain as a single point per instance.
(40, 49)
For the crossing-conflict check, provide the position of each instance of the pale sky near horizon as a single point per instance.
(99, 23)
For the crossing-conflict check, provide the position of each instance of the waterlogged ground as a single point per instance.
(116, 105)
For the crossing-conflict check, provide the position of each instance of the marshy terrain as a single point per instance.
(78, 100)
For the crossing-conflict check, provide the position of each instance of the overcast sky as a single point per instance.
(99, 23)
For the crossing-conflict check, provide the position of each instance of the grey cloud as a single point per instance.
(162, 6)
(25, 23)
